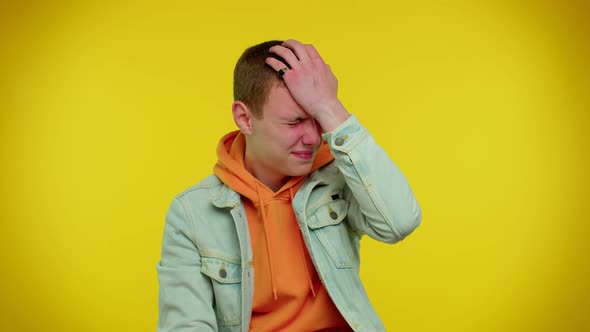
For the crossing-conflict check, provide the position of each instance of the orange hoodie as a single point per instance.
(288, 295)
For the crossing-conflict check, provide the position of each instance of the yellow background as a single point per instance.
(109, 109)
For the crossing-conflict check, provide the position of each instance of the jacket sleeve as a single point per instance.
(381, 202)
(185, 295)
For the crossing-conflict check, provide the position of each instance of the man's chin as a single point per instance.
(301, 170)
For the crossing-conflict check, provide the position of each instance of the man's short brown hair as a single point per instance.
(253, 78)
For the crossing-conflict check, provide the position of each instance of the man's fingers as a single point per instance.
(286, 54)
(275, 64)
(312, 52)
(298, 48)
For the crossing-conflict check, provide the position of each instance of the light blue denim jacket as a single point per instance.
(205, 272)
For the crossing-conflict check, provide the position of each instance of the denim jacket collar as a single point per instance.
(225, 198)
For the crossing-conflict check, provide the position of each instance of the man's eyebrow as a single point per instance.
(296, 118)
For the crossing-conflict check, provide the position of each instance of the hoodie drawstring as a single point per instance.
(269, 244)
(268, 241)
(309, 282)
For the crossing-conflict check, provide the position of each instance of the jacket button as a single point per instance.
(223, 273)
(333, 215)
(339, 141)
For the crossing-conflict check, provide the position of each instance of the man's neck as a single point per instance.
(274, 183)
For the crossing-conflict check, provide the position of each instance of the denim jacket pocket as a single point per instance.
(226, 277)
(327, 222)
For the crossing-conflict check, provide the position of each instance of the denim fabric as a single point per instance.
(206, 274)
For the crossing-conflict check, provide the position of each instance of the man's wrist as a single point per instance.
(331, 116)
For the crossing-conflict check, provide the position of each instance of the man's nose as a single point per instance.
(312, 134)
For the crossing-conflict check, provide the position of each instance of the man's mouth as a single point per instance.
(304, 154)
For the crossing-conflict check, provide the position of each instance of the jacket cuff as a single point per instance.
(347, 136)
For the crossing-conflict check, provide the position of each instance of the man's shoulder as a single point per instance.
(326, 172)
(206, 187)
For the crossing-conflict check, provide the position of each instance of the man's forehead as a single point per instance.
(281, 103)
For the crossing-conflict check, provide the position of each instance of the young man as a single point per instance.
(270, 242)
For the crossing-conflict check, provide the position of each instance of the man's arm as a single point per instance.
(186, 295)
(382, 204)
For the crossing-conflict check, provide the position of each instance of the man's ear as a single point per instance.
(242, 117)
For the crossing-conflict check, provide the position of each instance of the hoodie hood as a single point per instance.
(230, 167)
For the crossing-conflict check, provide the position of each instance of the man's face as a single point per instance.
(284, 142)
